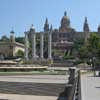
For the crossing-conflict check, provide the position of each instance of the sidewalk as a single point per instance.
(26, 97)
(90, 87)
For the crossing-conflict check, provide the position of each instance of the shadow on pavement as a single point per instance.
(62, 95)
(3, 99)
(26, 88)
(97, 87)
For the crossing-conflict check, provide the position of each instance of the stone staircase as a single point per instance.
(62, 63)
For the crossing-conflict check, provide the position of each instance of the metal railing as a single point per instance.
(73, 87)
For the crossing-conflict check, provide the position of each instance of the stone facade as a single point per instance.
(64, 37)
(9, 49)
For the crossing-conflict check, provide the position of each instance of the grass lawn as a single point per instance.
(35, 73)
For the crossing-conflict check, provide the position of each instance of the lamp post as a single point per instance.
(93, 65)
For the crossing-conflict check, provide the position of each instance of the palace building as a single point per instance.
(62, 38)
(52, 43)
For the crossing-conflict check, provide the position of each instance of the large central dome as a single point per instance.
(65, 22)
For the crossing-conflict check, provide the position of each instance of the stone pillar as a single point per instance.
(33, 45)
(41, 45)
(50, 45)
(26, 46)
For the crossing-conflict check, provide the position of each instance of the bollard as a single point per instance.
(72, 88)
(72, 75)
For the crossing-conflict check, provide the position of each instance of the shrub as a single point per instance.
(20, 53)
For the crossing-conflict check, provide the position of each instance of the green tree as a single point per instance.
(20, 53)
(4, 38)
(91, 48)
(78, 44)
(20, 39)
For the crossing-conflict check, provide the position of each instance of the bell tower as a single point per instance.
(86, 26)
(46, 26)
(86, 30)
(12, 37)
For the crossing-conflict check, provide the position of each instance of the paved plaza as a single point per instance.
(90, 87)
(25, 97)
(32, 87)
(36, 78)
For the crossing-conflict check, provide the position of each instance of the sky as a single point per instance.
(20, 14)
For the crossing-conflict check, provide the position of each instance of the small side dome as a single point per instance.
(32, 28)
(12, 32)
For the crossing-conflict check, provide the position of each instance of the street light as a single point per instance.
(93, 65)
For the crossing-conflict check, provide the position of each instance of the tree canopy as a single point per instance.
(91, 48)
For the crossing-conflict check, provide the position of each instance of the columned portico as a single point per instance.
(34, 49)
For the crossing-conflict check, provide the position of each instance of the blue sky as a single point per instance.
(20, 14)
